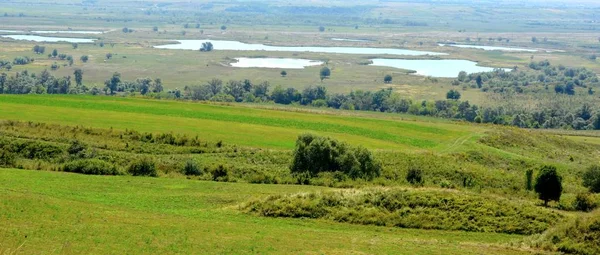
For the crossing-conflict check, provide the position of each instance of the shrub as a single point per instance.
(548, 184)
(584, 202)
(220, 174)
(591, 179)
(7, 158)
(91, 166)
(315, 154)
(76, 147)
(192, 168)
(529, 179)
(415, 176)
(143, 167)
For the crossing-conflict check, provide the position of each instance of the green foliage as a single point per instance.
(91, 166)
(316, 154)
(453, 94)
(76, 147)
(415, 176)
(387, 79)
(584, 202)
(325, 73)
(192, 168)
(7, 158)
(548, 184)
(220, 173)
(591, 179)
(411, 209)
(143, 167)
(529, 179)
(577, 236)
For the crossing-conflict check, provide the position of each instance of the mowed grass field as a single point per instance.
(245, 126)
(59, 213)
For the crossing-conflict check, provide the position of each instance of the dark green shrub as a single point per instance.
(316, 154)
(76, 147)
(91, 166)
(591, 179)
(220, 173)
(548, 184)
(415, 176)
(529, 179)
(37, 150)
(143, 167)
(7, 158)
(584, 202)
(192, 168)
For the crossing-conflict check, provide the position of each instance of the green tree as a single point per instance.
(113, 83)
(414, 176)
(155, 29)
(75, 45)
(453, 94)
(529, 179)
(591, 179)
(54, 53)
(84, 58)
(387, 79)
(479, 81)
(325, 73)
(223, 27)
(109, 55)
(283, 73)
(206, 47)
(78, 76)
(321, 29)
(548, 184)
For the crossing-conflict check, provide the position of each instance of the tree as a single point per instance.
(127, 30)
(109, 55)
(462, 76)
(387, 79)
(453, 94)
(321, 29)
(155, 29)
(39, 49)
(113, 83)
(54, 53)
(591, 179)
(206, 47)
(157, 86)
(75, 45)
(479, 81)
(223, 27)
(78, 76)
(534, 39)
(283, 73)
(215, 86)
(548, 184)
(325, 73)
(84, 58)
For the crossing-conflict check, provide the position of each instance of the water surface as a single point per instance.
(36, 38)
(287, 63)
(239, 46)
(67, 32)
(446, 68)
(488, 48)
(351, 40)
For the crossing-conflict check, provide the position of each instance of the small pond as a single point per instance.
(286, 63)
(446, 68)
(489, 48)
(36, 38)
(68, 32)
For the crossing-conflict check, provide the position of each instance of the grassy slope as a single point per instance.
(91, 214)
(237, 125)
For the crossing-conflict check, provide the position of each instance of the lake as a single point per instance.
(287, 63)
(351, 40)
(239, 46)
(446, 68)
(67, 32)
(10, 31)
(488, 47)
(36, 38)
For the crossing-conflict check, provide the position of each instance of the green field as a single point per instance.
(77, 214)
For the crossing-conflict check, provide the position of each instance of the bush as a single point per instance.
(7, 158)
(192, 168)
(584, 202)
(415, 176)
(591, 179)
(143, 167)
(220, 174)
(76, 147)
(315, 154)
(91, 166)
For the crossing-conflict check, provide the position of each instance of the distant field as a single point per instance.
(77, 214)
(233, 124)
